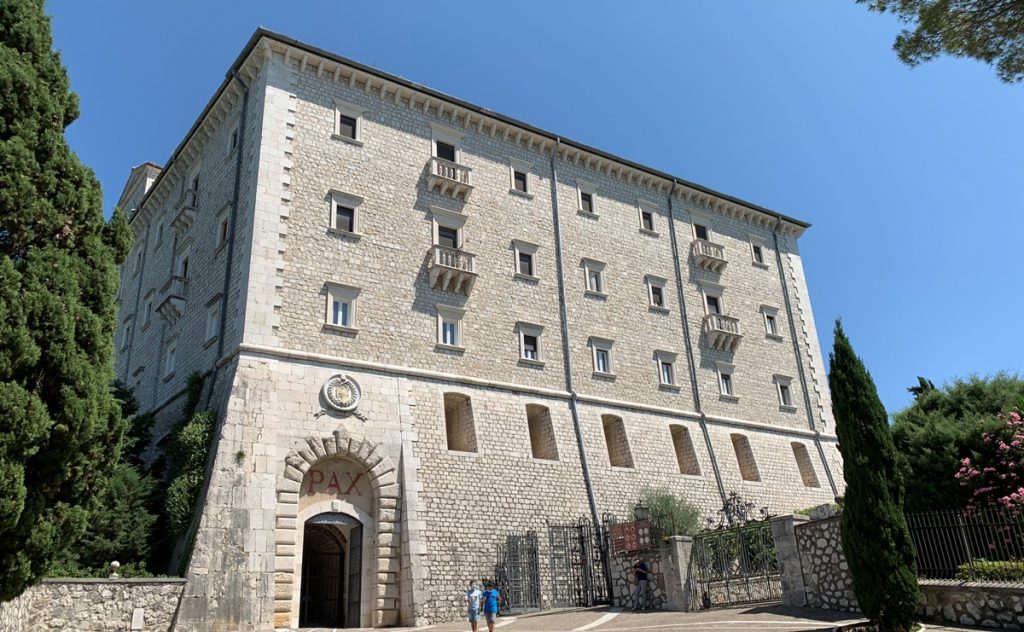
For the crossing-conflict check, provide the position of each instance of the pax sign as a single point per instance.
(336, 479)
(329, 482)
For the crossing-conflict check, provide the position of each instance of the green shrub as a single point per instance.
(670, 514)
(984, 570)
(188, 453)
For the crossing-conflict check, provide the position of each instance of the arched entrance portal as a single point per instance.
(331, 571)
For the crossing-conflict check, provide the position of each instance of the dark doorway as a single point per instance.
(331, 572)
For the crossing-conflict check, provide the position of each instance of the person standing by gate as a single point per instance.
(640, 572)
(473, 598)
(490, 597)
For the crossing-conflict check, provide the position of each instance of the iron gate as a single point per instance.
(516, 574)
(578, 572)
(737, 564)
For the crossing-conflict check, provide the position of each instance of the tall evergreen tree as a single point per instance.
(874, 531)
(60, 426)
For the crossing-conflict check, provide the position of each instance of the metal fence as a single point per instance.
(977, 545)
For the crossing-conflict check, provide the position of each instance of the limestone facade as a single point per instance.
(456, 442)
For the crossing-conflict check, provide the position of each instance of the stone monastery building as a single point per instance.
(427, 327)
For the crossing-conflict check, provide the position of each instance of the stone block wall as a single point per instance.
(827, 579)
(973, 603)
(94, 605)
(624, 585)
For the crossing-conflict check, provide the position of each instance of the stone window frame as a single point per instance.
(804, 464)
(223, 228)
(698, 218)
(521, 247)
(126, 330)
(170, 360)
(652, 281)
(345, 294)
(147, 302)
(352, 111)
(784, 391)
(582, 186)
(756, 242)
(661, 359)
(597, 267)
(454, 315)
(716, 290)
(159, 223)
(770, 313)
(213, 315)
(541, 432)
(537, 331)
(745, 459)
(449, 136)
(336, 198)
(183, 258)
(685, 451)
(525, 168)
(726, 368)
(602, 344)
(233, 136)
(645, 207)
(449, 219)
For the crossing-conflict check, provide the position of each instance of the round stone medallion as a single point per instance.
(342, 393)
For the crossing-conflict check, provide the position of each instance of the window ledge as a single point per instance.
(774, 337)
(622, 468)
(744, 481)
(528, 362)
(760, 265)
(657, 309)
(787, 409)
(604, 376)
(587, 214)
(523, 194)
(545, 461)
(209, 341)
(341, 328)
(345, 139)
(728, 398)
(344, 233)
(462, 453)
(452, 348)
(598, 295)
(529, 278)
(675, 388)
(168, 377)
(651, 233)
(695, 477)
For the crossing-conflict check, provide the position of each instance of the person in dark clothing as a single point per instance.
(640, 572)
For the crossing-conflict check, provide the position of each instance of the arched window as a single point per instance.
(803, 461)
(745, 458)
(542, 434)
(686, 457)
(618, 445)
(458, 422)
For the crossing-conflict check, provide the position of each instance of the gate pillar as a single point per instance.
(677, 572)
(791, 573)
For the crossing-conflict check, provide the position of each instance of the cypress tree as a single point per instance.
(874, 531)
(60, 426)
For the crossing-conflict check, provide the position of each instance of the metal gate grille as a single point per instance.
(578, 574)
(735, 566)
(517, 574)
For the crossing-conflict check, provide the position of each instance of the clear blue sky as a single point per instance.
(910, 177)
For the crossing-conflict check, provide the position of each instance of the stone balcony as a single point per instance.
(172, 299)
(722, 332)
(188, 209)
(451, 270)
(708, 255)
(450, 178)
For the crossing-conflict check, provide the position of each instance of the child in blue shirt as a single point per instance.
(490, 597)
(473, 599)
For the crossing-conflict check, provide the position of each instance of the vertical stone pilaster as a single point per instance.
(793, 592)
(677, 573)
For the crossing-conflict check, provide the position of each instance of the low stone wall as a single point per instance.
(827, 582)
(973, 603)
(94, 605)
(668, 584)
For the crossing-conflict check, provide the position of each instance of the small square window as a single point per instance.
(170, 359)
(341, 312)
(587, 202)
(784, 395)
(656, 292)
(525, 259)
(345, 218)
(657, 296)
(784, 384)
(530, 347)
(448, 237)
(448, 331)
(593, 277)
(701, 232)
(345, 213)
(666, 368)
(726, 388)
(234, 140)
(647, 220)
(726, 381)
(341, 307)
(519, 181)
(531, 350)
(212, 318)
(346, 126)
(444, 151)
(771, 321)
(525, 264)
(148, 317)
(714, 305)
(449, 326)
(594, 280)
(603, 362)
(758, 254)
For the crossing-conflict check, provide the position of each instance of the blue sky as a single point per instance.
(910, 177)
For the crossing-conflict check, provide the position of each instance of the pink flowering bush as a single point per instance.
(994, 477)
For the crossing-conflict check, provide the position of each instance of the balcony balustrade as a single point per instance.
(722, 332)
(708, 255)
(450, 178)
(188, 209)
(172, 299)
(452, 270)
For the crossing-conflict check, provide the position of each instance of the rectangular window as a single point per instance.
(224, 231)
(667, 373)
(234, 139)
(170, 359)
(345, 218)
(770, 326)
(341, 306)
(647, 220)
(445, 151)
(519, 181)
(449, 325)
(785, 398)
(726, 383)
(758, 254)
(448, 333)
(346, 126)
(714, 305)
(183, 268)
(448, 237)
(594, 280)
(601, 363)
(530, 347)
(525, 264)
(700, 231)
(604, 363)
(212, 319)
(726, 387)
(341, 313)
(148, 317)
(587, 202)
(657, 296)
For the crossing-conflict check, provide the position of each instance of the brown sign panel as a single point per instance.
(631, 536)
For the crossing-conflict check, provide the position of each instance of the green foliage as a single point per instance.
(188, 454)
(991, 31)
(60, 426)
(874, 531)
(670, 514)
(944, 426)
(983, 570)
